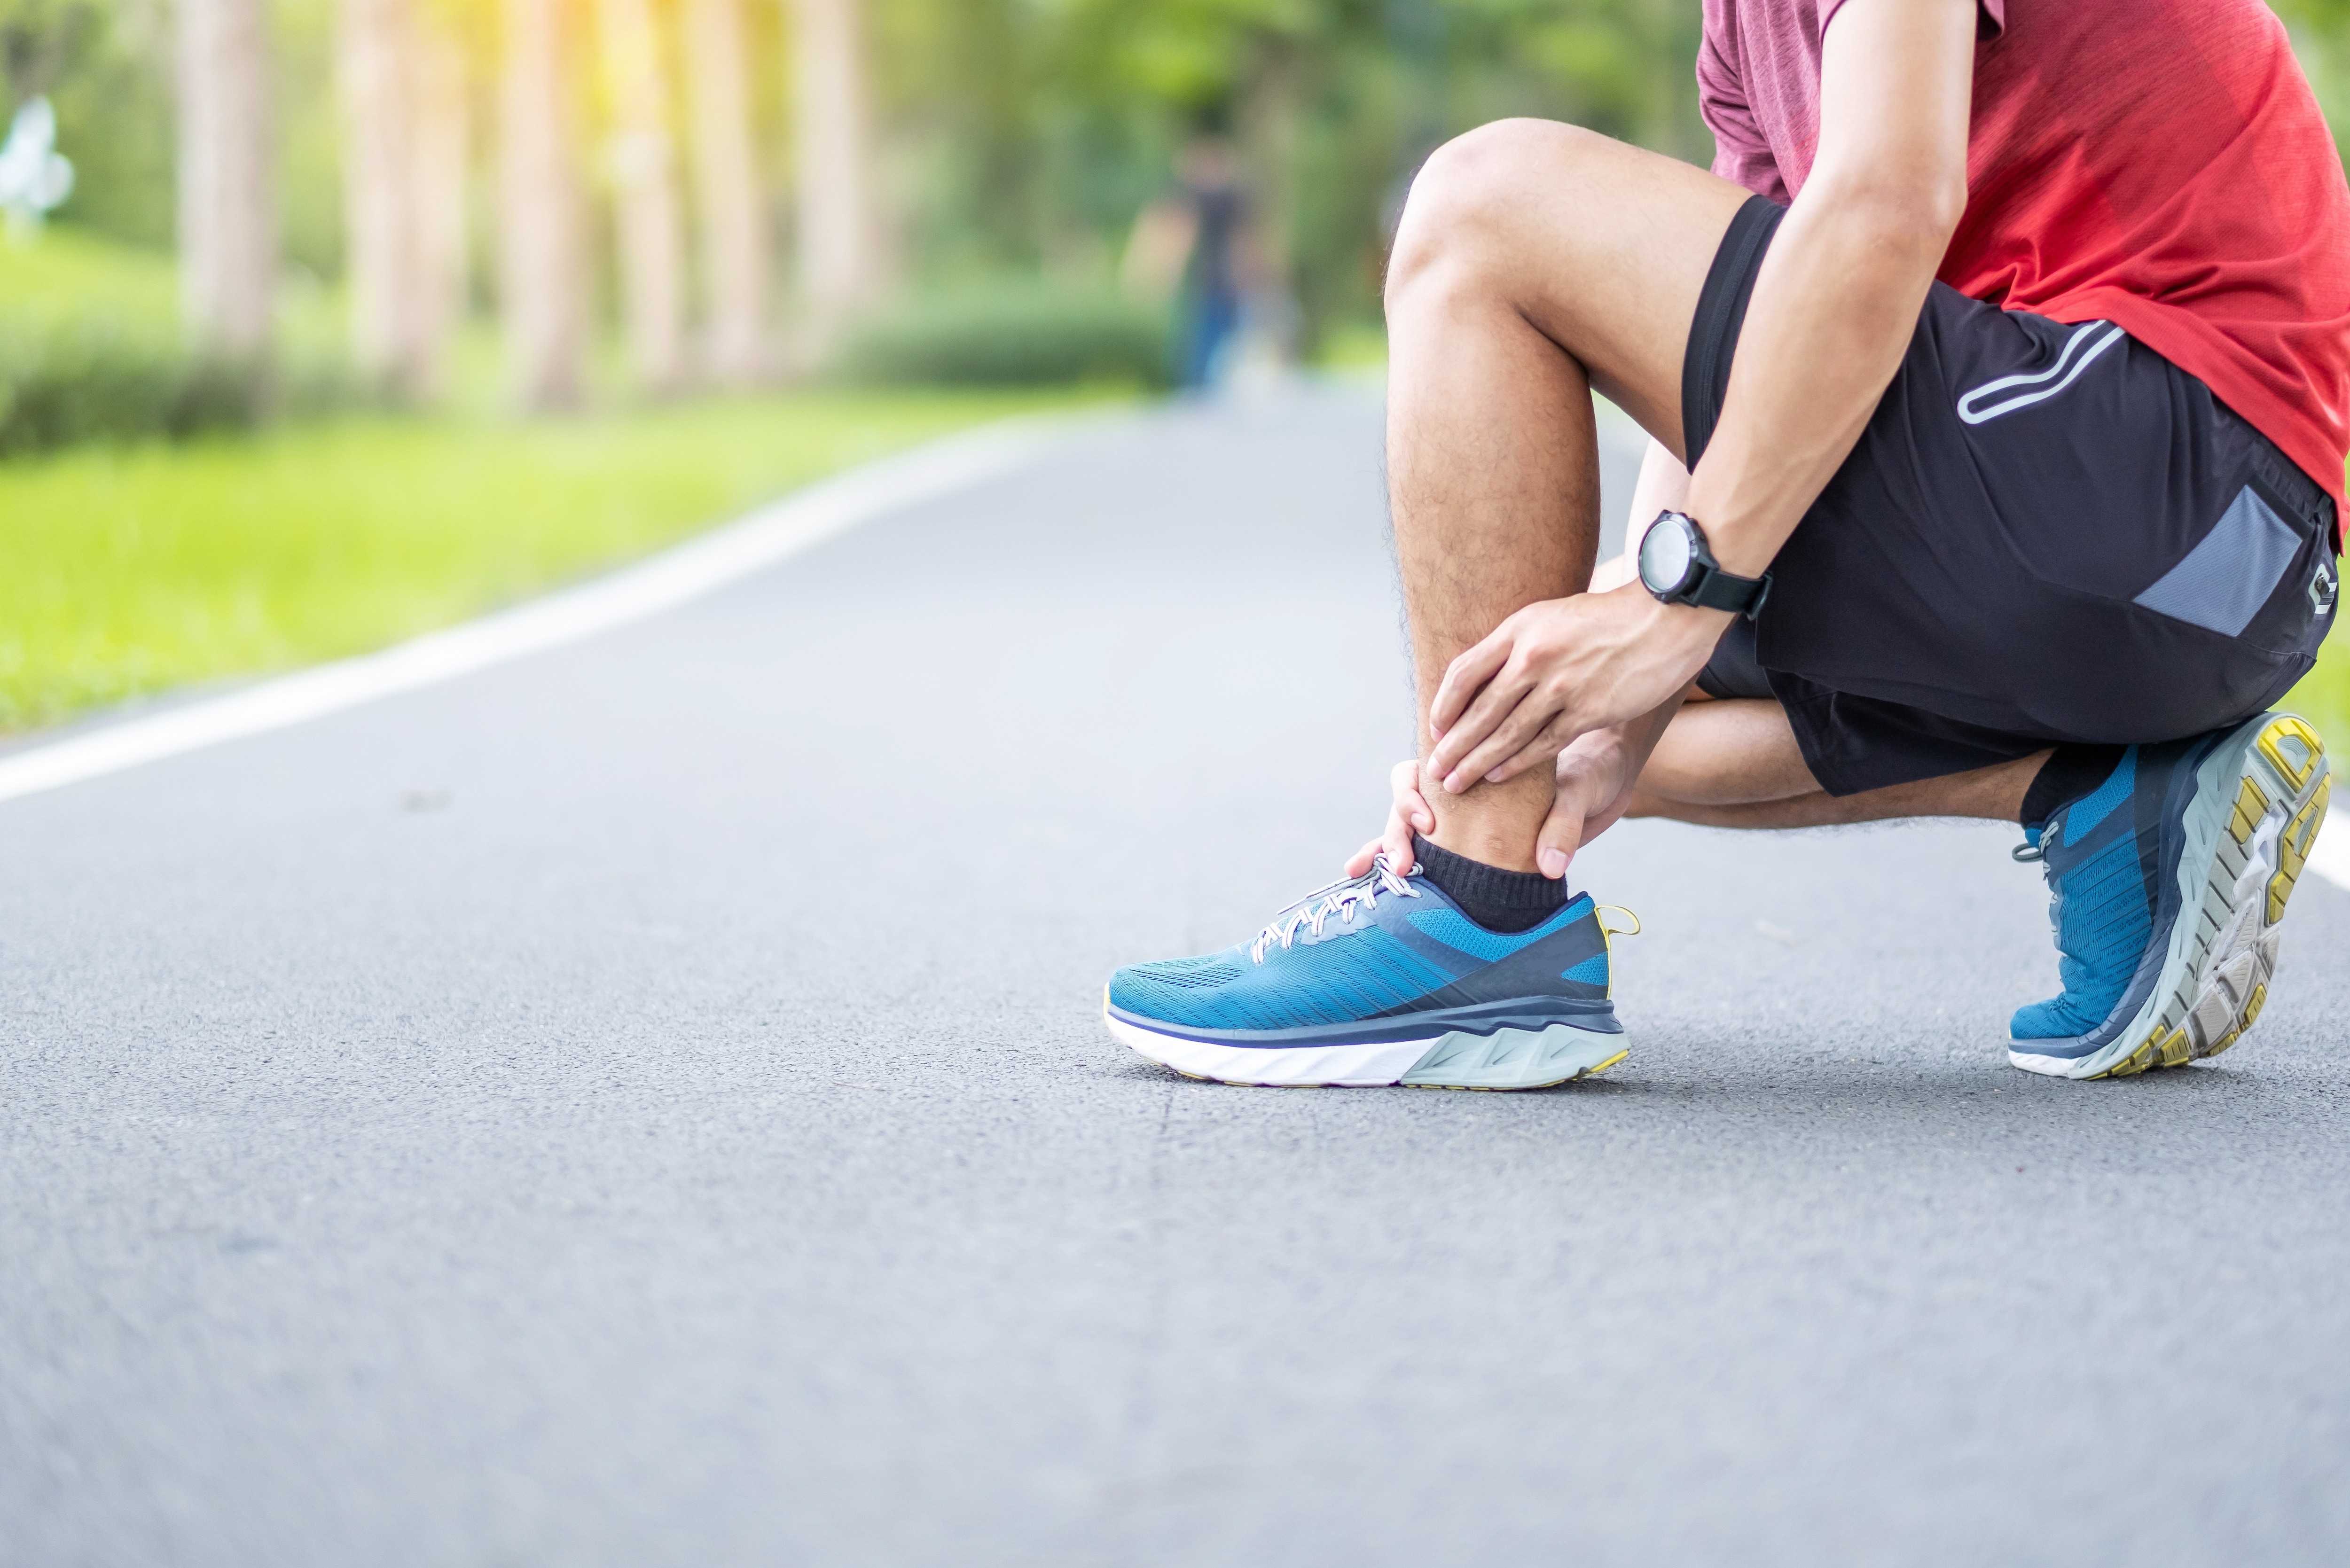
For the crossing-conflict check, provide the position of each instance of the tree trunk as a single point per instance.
(228, 210)
(543, 258)
(726, 190)
(374, 45)
(652, 244)
(839, 256)
(441, 168)
(401, 85)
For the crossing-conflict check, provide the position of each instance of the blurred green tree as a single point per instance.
(1035, 128)
(1011, 138)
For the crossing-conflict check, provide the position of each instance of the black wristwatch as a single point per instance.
(1676, 567)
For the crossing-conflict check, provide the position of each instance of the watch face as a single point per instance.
(1665, 556)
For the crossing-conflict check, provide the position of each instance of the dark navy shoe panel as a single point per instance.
(1570, 960)
(1597, 1015)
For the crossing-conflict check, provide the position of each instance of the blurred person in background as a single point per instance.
(1998, 378)
(1192, 245)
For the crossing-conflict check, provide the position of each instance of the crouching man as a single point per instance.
(1999, 379)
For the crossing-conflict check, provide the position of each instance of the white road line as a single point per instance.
(671, 579)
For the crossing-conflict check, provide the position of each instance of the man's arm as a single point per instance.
(1833, 310)
(1663, 486)
(1837, 297)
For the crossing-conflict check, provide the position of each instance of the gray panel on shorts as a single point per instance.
(2225, 580)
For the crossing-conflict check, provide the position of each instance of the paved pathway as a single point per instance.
(645, 1103)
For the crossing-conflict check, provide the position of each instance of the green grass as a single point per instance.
(57, 275)
(131, 570)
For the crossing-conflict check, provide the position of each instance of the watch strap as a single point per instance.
(1717, 589)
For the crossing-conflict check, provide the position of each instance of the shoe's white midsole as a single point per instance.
(1508, 1059)
(1353, 1066)
(2047, 1066)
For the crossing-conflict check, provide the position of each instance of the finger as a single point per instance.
(1494, 704)
(1464, 675)
(1410, 803)
(1561, 836)
(1469, 670)
(1359, 864)
(1397, 846)
(1542, 751)
(1515, 732)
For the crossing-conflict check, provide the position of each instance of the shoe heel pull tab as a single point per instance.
(1614, 932)
(2028, 853)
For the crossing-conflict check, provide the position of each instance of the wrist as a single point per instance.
(1680, 566)
(1687, 623)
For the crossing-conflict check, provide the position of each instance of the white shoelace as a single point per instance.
(1340, 899)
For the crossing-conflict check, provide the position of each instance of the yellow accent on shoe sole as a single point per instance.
(2250, 808)
(2176, 1050)
(2252, 804)
(2272, 745)
(2252, 1008)
(2292, 848)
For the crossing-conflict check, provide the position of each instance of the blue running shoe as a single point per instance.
(2169, 880)
(1382, 979)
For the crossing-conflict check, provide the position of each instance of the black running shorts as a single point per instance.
(2048, 533)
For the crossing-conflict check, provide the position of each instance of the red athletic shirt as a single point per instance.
(2160, 164)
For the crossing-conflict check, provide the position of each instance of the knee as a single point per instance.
(1474, 194)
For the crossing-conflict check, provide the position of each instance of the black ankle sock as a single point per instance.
(1496, 899)
(2066, 776)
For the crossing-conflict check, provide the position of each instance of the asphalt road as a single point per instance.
(646, 1104)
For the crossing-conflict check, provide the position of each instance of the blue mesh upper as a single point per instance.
(1394, 956)
(2093, 808)
(2100, 905)
(1350, 973)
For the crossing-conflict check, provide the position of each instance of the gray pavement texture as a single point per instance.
(647, 1104)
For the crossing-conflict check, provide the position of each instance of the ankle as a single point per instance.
(1504, 852)
(1493, 825)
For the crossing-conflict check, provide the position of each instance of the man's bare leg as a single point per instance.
(1736, 764)
(1535, 262)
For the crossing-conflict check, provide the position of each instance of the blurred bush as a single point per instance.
(93, 380)
(91, 349)
(1026, 335)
